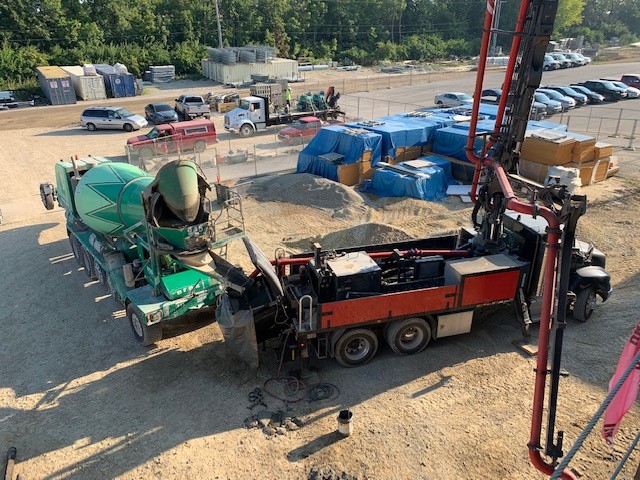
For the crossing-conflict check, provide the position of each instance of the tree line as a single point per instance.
(148, 32)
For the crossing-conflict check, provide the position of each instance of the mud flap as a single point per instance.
(238, 330)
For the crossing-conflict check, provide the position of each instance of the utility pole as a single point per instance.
(219, 27)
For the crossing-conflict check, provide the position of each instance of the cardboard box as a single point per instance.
(426, 149)
(603, 150)
(549, 148)
(533, 170)
(592, 172)
(354, 173)
(408, 153)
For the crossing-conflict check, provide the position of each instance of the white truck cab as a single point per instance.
(250, 116)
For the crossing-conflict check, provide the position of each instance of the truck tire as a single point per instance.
(145, 334)
(89, 264)
(76, 248)
(128, 127)
(47, 200)
(246, 130)
(585, 304)
(91, 127)
(101, 275)
(200, 146)
(356, 347)
(408, 336)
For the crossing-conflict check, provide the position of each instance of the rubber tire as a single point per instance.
(127, 127)
(149, 334)
(76, 248)
(47, 200)
(364, 334)
(200, 146)
(246, 130)
(101, 275)
(439, 103)
(91, 127)
(89, 264)
(396, 329)
(584, 305)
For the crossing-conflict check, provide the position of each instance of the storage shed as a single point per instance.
(56, 85)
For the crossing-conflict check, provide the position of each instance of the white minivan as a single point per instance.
(94, 118)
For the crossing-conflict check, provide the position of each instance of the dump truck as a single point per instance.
(156, 243)
(255, 113)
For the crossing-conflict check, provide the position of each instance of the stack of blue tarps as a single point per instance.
(336, 139)
(425, 183)
(442, 163)
(397, 134)
(430, 123)
(451, 141)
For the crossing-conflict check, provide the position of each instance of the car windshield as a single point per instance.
(570, 91)
(153, 134)
(620, 85)
(298, 125)
(609, 85)
(548, 58)
(552, 94)
(464, 97)
(124, 113)
(541, 97)
(559, 57)
(244, 104)
(580, 89)
(163, 107)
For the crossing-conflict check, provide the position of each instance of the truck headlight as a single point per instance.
(154, 317)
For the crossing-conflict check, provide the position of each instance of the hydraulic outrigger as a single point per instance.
(492, 193)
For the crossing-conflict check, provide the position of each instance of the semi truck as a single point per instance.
(156, 243)
(254, 113)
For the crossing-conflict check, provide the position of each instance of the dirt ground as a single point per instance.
(79, 398)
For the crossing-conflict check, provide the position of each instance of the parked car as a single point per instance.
(580, 98)
(631, 80)
(193, 135)
(593, 97)
(552, 105)
(550, 63)
(576, 60)
(452, 99)
(587, 60)
(192, 106)
(95, 118)
(564, 61)
(492, 97)
(301, 131)
(567, 102)
(631, 91)
(607, 89)
(160, 112)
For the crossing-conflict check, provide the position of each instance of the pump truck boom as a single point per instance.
(155, 242)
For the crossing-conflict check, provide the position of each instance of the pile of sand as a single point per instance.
(365, 234)
(310, 191)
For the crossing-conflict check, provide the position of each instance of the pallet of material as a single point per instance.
(548, 147)
(584, 150)
(225, 107)
(591, 172)
(351, 174)
(602, 150)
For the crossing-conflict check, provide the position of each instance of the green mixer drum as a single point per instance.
(108, 197)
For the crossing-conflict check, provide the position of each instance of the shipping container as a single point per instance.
(87, 87)
(56, 85)
(118, 85)
(241, 72)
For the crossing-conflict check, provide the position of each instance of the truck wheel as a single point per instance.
(246, 130)
(585, 304)
(89, 264)
(101, 275)
(409, 336)
(47, 200)
(356, 347)
(200, 146)
(128, 127)
(145, 334)
(91, 127)
(76, 248)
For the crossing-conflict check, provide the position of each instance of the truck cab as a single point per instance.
(250, 116)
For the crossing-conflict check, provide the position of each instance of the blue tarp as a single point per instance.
(432, 185)
(336, 139)
(540, 125)
(395, 134)
(443, 163)
(451, 141)
(430, 124)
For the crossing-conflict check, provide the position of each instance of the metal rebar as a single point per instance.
(626, 456)
(596, 416)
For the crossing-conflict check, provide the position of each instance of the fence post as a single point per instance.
(366, 83)
(343, 90)
(255, 160)
(618, 124)
(275, 137)
(589, 120)
(388, 108)
(561, 116)
(373, 108)
(410, 77)
(389, 76)
(358, 107)
(631, 139)
(568, 121)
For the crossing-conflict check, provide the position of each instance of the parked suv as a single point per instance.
(607, 89)
(192, 135)
(94, 118)
(592, 96)
(552, 105)
(566, 102)
(550, 63)
(631, 80)
(564, 61)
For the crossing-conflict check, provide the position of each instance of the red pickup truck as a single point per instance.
(194, 135)
(301, 131)
(633, 80)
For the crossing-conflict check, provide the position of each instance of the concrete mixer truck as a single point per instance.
(155, 242)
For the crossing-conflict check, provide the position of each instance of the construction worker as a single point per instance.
(287, 97)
